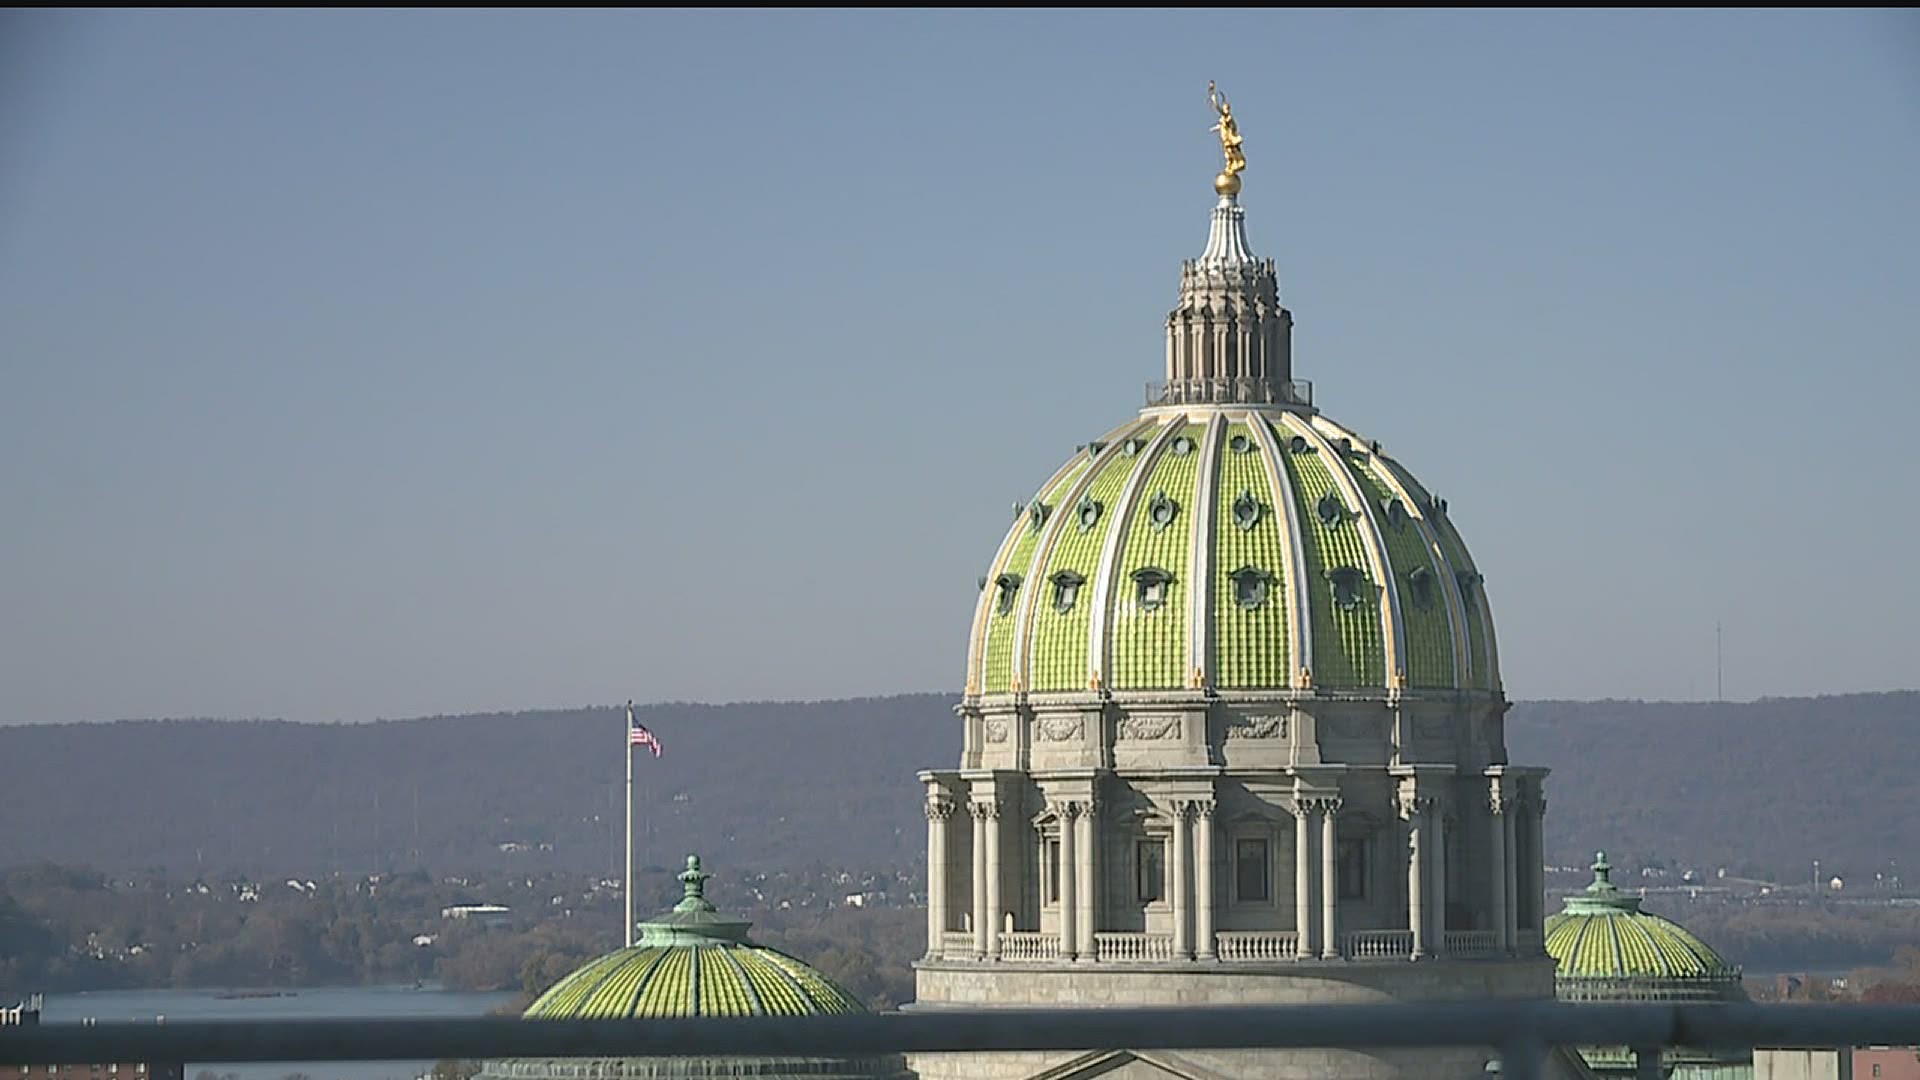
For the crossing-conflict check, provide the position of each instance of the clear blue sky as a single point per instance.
(376, 364)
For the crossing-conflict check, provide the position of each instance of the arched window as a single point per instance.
(1009, 586)
(1150, 587)
(1066, 589)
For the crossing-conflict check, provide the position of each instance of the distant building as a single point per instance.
(1838, 1063)
(488, 915)
(27, 1014)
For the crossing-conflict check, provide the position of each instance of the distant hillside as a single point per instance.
(1762, 786)
(1768, 785)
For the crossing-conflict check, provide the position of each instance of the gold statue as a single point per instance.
(1228, 182)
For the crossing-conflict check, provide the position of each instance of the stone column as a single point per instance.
(1497, 868)
(1437, 896)
(939, 810)
(1536, 862)
(994, 915)
(1182, 882)
(1303, 878)
(1085, 869)
(1415, 809)
(1510, 841)
(1329, 878)
(1203, 879)
(1068, 814)
(980, 911)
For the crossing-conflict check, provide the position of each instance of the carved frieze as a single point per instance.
(1059, 727)
(1150, 726)
(1256, 727)
(995, 728)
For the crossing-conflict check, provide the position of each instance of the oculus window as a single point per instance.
(1330, 509)
(1037, 512)
(1246, 510)
(1182, 446)
(1298, 445)
(1240, 444)
(1087, 512)
(1396, 514)
(1161, 511)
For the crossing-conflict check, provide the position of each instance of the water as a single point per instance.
(330, 1003)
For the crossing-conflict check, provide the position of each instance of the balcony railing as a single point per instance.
(1517, 1034)
(1029, 945)
(1132, 948)
(1379, 944)
(1254, 945)
(957, 944)
(1472, 943)
(1230, 392)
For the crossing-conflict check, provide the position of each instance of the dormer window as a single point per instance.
(1240, 444)
(1131, 447)
(1251, 586)
(1348, 585)
(1422, 581)
(1330, 509)
(1037, 513)
(1066, 590)
(1468, 580)
(1182, 446)
(1246, 510)
(1298, 445)
(1150, 587)
(1094, 448)
(1087, 512)
(1161, 512)
(1396, 514)
(1008, 586)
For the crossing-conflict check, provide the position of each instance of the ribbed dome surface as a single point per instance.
(1603, 938)
(1229, 548)
(715, 979)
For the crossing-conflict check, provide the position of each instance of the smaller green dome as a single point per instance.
(1608, 949)
(693, 961)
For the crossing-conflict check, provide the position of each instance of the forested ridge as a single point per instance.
(1760, 787)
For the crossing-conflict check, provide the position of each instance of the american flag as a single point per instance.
(638, 735)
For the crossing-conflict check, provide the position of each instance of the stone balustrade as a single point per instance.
(1132, 948)
(1029, 945)
(957, 944)
(1379, 944)
(1253, 945)
(1472, 943)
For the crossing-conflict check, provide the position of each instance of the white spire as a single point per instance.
(1227, 237)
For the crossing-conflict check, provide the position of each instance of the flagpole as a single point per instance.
(626, 737)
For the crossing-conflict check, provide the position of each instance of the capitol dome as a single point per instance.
(693, 961)
(1230, 538)
(1607, 949)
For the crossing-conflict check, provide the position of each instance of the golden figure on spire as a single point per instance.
(1228, 182)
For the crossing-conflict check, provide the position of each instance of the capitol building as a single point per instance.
(1233, 725)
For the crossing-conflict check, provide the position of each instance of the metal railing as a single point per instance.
(1237, 391)
(1518, 1034)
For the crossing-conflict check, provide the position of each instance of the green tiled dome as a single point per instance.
(1231, 548)
(693, 962)
(1608, 949)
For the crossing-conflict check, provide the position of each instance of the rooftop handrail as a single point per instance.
(1521, 1030)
